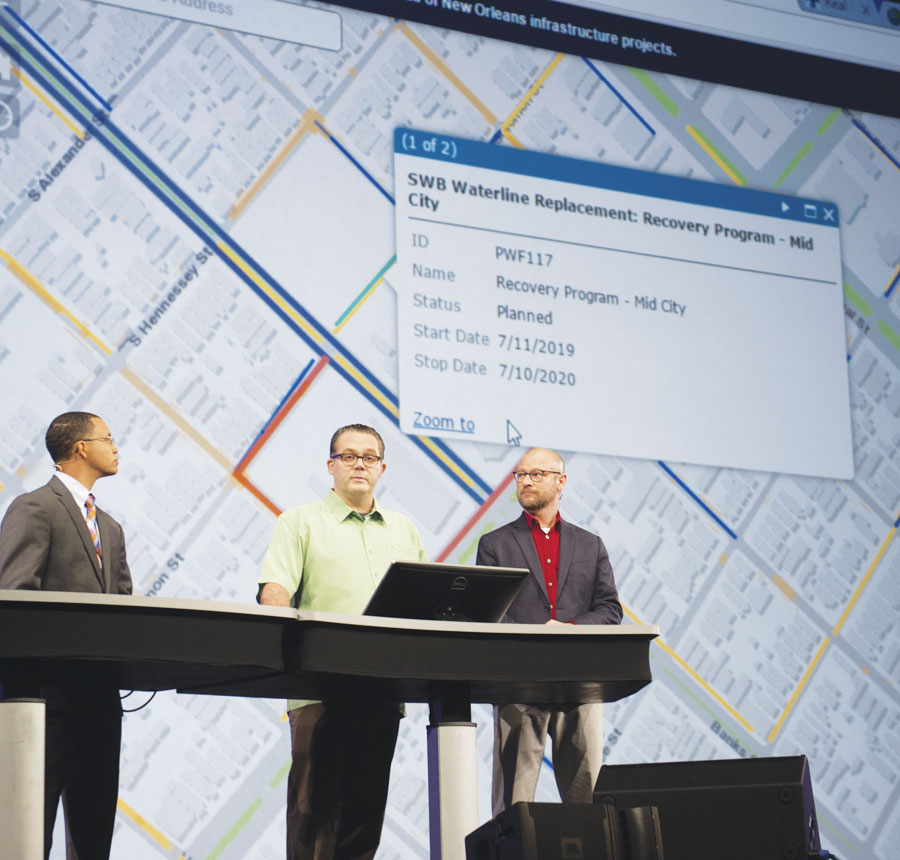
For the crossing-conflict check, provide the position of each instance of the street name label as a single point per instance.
(549, 301)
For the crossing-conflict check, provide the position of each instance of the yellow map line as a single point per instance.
(246, 197)
(864, 582)
(145, 825)
(272, 294)
(891, 279)
(44, 295)
(693, 673)
(177, 419)
(878, 149)
(532, 91)
(42, 98)
(796, 694)
(444, 69)
(713, 154)
(428, 443)
(345, 363)
(366, 296)
(340, 359)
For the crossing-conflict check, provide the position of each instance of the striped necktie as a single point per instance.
(91, 509)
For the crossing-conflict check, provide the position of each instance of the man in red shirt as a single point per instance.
(571, 583)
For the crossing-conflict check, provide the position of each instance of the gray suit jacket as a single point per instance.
(45, 545)
(585, 591)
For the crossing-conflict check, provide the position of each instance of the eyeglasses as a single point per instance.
(108, 439)
(349, 459)
(536, 475)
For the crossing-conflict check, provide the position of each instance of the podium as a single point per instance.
(206, 647)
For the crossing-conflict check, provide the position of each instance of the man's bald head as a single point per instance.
(545, 455)
(541, 476)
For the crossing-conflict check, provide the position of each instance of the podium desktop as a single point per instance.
(207, 647)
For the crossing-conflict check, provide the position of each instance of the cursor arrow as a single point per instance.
(513, 436)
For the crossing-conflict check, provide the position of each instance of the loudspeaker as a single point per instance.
(567, 831)
(728, 809)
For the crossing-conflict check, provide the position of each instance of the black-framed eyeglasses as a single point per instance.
(108, 439)
(536, 475)
(349, 459)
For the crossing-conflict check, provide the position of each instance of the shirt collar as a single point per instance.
(340, 510)
(78, 490)
(533, 522)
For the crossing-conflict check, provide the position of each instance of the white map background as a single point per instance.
(263, 170)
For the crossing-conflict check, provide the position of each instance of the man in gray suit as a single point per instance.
(56, 539)
(571, 583)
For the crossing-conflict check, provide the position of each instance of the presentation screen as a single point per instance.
(524, 277)
(662, 239)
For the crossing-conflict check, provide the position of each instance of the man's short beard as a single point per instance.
(537, 502)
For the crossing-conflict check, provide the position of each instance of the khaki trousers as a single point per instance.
(520, 737)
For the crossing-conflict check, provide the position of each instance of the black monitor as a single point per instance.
(445, 592)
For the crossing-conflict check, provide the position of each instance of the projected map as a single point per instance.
(197, 243)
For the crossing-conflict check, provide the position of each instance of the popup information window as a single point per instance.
(548, 301)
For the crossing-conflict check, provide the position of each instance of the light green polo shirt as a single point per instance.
(330, 558)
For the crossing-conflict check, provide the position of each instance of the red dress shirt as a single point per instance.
(547, 546)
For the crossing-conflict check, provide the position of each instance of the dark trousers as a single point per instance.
(81, 754)
(82, 767)
(338, 783)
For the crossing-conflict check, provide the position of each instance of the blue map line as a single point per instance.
(207, 220)
(96, 132)
(416, 440)
(498, 135)
(619, 95)
(195, 209)
(897, 523)
(697, 499)
(876, 143)
(355, 163)
(291, 389)
(12, 13)
(892, 286)
(450, 454)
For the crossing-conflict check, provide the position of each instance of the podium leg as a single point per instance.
(452, 788)
(22, 730)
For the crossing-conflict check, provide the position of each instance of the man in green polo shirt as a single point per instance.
(330, 555)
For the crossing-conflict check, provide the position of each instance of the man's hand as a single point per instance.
(554, 621)
(273, 594)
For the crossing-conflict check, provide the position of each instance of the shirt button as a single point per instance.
(548, 561)
(550, 584)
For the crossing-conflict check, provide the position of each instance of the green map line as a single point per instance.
(656, 91)
(281, 774)
(792, 166)
(702, 704)
(828, 122)
(235, 828)
(857, 300)
(892, 337)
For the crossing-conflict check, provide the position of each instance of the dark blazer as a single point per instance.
(45, 545)
(585, 591)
